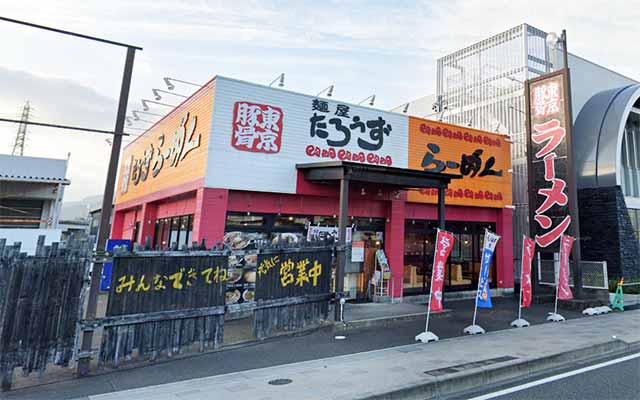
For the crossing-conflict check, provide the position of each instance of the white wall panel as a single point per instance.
(232, 168)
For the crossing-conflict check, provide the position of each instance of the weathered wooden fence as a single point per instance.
(161, 303)
(40, 303)
(165, 303)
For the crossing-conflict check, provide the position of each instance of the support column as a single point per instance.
(210, 215)
(147, 222)
(441, 208)
(342, 242)
(394, 244)
(504, 248)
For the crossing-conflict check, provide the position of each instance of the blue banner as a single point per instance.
(105, 278)
(484, 291)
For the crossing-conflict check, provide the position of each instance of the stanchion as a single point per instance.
(554, 316)
(474, 329)
(426, 336)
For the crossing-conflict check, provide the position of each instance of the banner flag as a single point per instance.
(528, 248)
(564, 291)
(444, 244)
(484, 292)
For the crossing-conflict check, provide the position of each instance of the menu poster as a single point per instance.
(241, 283)
(357, 251)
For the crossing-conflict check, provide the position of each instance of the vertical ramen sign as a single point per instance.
(549, 158)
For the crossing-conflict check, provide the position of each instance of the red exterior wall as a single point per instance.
(210, 206)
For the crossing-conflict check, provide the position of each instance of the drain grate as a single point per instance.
(462, 367)
(279, 382)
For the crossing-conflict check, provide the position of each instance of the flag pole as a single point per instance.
(521, 323)
(426, 336)
(555, 317)
(474, 329)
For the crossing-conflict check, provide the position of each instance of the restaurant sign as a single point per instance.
(171, 152)
(482, 158)
(261, 133)
(548, 133)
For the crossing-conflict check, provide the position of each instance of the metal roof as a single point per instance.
(33, 169)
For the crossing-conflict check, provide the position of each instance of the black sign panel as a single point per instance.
(289, 273)
(549, 152)
(142, 284)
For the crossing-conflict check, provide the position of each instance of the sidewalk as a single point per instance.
(418, 370)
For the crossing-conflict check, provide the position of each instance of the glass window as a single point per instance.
(189, 229)
(240, 221)
(291, 222)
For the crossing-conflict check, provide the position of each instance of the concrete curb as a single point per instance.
(464, 381)
(383, 321)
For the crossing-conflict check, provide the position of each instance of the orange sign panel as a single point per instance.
(482, 158)
(172, 152)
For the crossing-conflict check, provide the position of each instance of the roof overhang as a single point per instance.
(27, 179)
(399, 178)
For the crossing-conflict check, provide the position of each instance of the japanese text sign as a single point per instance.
(528, 249)
(293, 273)
(563, 289)
(257, 127)
(146, 284)
(444, 244)
(171, 152)
(259, 135)
(483, 297)
(548, 132)
(482, 158)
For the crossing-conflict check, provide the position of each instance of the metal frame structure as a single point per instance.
(483, 86)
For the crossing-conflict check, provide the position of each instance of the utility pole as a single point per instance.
(18, 145)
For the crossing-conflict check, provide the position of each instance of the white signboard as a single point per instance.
(259, 134)
(321, 232)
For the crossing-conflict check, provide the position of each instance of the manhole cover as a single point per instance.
(279, 382)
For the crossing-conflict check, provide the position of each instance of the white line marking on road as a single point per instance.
(554, 378)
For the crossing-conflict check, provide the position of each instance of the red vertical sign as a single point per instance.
(528, 248)
(564, 291)
(444, 243)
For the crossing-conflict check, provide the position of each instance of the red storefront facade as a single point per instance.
(185, 190)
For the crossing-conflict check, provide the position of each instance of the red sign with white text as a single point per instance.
(549, 133)
(257, 127)
(528, 248)
(564, 291)
(444, 243)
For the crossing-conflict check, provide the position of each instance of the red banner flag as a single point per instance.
(444, 243)
(564, 291)
(528, 248)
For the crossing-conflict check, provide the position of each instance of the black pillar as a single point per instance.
(441, 222)
(342, 241)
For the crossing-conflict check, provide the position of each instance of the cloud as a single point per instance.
(61, 102)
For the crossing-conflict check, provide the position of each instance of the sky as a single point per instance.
(387, 48)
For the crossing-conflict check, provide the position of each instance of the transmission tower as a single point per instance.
(18, 145)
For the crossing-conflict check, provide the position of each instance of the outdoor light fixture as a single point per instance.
(290, 218)
(171, 86)
(137, 118)
(145, 107)
(279, 79)
(552, 39)
(329, 90)
(363, 192)
(156, 94)
(372, 100)
(406, 108)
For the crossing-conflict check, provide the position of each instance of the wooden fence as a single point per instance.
(161, 303)
(40, 303)
(164, 303)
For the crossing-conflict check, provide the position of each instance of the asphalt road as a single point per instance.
(284, 350)
(617, 378)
